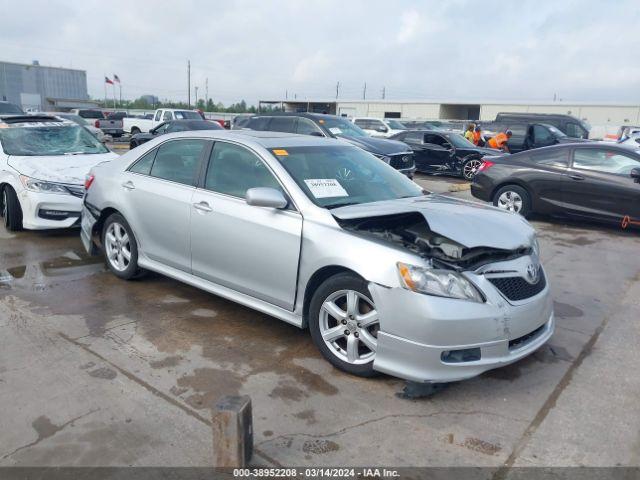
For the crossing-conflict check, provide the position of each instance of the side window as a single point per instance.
(166, 117)
(176, 127)
(416, 137)
(518, 129)
(574, 130)
(178, 160)
(306, 126)
(362, 123)
(162, 128)
(143, 165)
(283, 124)
(233, 170)
(541, 134)
(434, 139)
(157, 117)
(551, 158)
(604, 161)
(258, 123)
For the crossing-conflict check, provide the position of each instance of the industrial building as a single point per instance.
(36, 87)
(601, 114)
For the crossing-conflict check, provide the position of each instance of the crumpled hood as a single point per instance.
(59, 168)
(470, 224)
(378, 146)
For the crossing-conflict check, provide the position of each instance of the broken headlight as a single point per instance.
(442, 283)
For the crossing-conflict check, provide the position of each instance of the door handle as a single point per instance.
(202, 206)
(128, 185)
(576, 177)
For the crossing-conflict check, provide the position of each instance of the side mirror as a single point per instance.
(635, 174)
(266, 197)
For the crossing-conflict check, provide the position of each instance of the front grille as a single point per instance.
(401, 161)
(525, 339)
(517, 288)
(76, 191)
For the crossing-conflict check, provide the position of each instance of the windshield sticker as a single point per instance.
(335, 130)
(325, 188)
(280, 152)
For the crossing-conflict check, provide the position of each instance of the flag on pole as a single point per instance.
(106, 80)
(116, 78)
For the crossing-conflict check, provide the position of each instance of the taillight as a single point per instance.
(486, 165)
(88, 180)
(97, 124)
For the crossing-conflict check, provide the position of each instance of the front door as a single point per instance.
(253, 250)
(435, 154)
(157, 190)
(599, 185)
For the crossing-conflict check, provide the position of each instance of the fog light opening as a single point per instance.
(461, 356)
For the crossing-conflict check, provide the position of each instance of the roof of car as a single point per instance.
(265, 139)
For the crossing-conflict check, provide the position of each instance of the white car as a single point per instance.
(43, 164)
(133, 125)
(379, 127)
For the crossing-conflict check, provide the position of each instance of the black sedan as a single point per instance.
(172, 127)
(444, 153)
(595, 181)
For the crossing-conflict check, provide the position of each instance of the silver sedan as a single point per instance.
(318, 233)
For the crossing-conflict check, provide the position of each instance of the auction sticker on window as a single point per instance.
(325, 187)
(335, 130)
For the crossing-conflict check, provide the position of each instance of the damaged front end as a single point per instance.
(411, 230)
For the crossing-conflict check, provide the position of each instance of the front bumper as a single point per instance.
(41, 211)
(418, 331)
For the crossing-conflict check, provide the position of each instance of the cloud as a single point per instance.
(252, 49)
(410, 22)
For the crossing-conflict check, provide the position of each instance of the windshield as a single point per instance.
(187, 115)
(335, 176)
(396, 125)
(341, 127)
(459, 141)
(48, 138)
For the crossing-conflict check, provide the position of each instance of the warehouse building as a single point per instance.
(36, 87)
(595, 113)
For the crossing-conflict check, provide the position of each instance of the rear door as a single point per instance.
(599, 185)
(252, 250)
(157, 191)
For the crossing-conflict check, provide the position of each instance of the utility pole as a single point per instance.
(364, 91)
(206, 91)
(337, 90)
(189, 83)
(286, 94)
(196, 89)
(383, 92)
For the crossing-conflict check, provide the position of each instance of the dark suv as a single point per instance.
(397, 154)
(568, 124)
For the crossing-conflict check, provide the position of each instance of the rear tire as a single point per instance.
(11, 210)
(469, 168)
(120, 248)
(513, 198)
(341, 304)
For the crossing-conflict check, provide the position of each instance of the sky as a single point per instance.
(578, 50)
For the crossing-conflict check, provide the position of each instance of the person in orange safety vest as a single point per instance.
(500, 141)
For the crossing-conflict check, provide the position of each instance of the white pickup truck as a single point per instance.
(133, 125)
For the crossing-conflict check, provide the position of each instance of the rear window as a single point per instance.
(258, 123)
(91, 114)
(10, 108)
(187, 115)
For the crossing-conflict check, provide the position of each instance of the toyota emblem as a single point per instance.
(533, 273)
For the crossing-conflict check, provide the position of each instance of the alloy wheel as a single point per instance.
(349, 326)
(470, 168)
(510, 201)
(118, 246)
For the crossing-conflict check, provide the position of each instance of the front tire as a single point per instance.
(11, 210)
(513, 198)
(135, 130)
(344, 324)
(120, 248)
